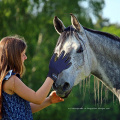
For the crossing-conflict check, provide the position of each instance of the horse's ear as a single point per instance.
(58, 25)
(76, 23)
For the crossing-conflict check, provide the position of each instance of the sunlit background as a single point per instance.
(111, 11)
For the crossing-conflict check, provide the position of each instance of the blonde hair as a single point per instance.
(11, 48)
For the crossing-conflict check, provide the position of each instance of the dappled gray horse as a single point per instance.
(91, 52)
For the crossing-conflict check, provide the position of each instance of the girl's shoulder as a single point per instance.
(8, 82)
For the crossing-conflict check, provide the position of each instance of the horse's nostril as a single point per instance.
(66, 86)
(63, 87)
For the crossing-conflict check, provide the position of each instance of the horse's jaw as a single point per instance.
(65, 94)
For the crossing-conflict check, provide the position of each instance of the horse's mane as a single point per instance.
(114, 37)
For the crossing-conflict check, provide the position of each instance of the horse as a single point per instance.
(91, 52)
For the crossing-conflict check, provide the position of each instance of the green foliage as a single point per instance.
(113, 29)
(33, 19)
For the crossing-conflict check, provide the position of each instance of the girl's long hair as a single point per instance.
(10, 59)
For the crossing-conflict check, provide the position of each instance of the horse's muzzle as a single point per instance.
(62, 90)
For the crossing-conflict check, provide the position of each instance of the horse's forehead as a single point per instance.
(67, 38)
(69, 43)
(63, 37)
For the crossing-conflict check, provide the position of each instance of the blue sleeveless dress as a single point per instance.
(13, 106)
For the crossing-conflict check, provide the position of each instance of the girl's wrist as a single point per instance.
(50, 79)
(49, 100)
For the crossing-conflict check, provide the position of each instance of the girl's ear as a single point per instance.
(76, 23)
(58, 25)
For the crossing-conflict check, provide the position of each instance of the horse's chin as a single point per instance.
(64, 95)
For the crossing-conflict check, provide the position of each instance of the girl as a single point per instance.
(17, 101)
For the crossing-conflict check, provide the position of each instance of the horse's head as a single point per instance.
(74, 42)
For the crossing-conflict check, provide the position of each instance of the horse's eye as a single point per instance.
(80, 49)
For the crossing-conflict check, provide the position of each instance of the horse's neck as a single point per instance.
(107, 53)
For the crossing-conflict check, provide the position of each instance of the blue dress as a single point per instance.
(13, 106)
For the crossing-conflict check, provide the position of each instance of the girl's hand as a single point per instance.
(54, 98)
(56, 67)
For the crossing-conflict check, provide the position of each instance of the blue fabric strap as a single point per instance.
(9, 75)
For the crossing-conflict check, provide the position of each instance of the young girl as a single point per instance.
(17, 101)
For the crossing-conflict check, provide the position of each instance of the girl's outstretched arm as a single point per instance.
(53, 98)
(15, 85)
